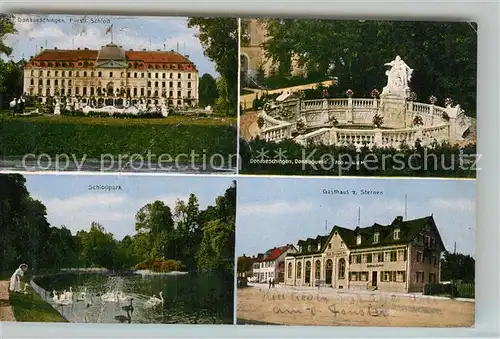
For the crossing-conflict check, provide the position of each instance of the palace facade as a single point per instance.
(400, 257)
(112, 76)
(271, 265)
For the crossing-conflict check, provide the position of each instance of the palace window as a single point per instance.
(420, 277)
(32, 73)
(375, 238)
(156, 94)
(62, 91)
(142, 75)
(55, 82)
(170, 93)
(393, 255)
(358, 240)
(110, 74)
(171, 76)
(56, 73)
(178, 75)
(69, 91)
(142, 91)
(179, 94)
(171, 84)
(69, 82)
(189, 75)
(32, 82)
(40, 73)
(92, 91)
(84, 90)
(156, 75)
(77, 73)
(289, 270)
(135, 74)
(179, 84)
(47, 92)
(149, 83)
(84, 74)
(156, 83)
(70, 73)
(432, 278)
(149, 75)
(135, 91)
(163, 84)
(164, 75)
(63, 73)
(396, 234)
(48, 81)
(179, 102)
(40, 82)
(342, 268)
(401, 276)
(330, 246)
(369, 258)
(149, 92)
(342, 244)
(48, 73)
(386, 276)
(99, 74)
(77, 90)
(419, 256)
(380, 257)
(189, 84)
(299, 270)
(319, 244)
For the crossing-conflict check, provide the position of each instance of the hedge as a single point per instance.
(457, 290)
(94, 137)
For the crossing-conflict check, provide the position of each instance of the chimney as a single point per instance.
(86, 48)
(144, 50)
(158, 50)
(78, 48)
(55, 48)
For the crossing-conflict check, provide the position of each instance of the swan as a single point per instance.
(69, 295)
(110, 297)
(130, 307)
(55, 297)
(153, 301)
(122, 319)
(83, 295)
(122, 297)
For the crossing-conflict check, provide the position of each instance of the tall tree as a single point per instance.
(443, 55)
(155, 219)
(207, 90)
(457, 266)
(219, 38)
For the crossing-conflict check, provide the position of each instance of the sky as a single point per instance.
(278, 211)
(67, 32)
(70, 202)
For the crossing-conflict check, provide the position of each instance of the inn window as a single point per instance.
(434, 260)
(420, 277)
(380, 257)
(299, 270)
(419, 256)
(375, 238)
(354, 276)
(342, 268)
(357, 258)
(393, 255)
(396, 234)
(427, 240)
(402, 255)
(401, 276)
(364, 276)
(386, 276)
(319, 245)
(358, 240)
(432, 278)
(433, 242)
(369, 258)
(387, 256)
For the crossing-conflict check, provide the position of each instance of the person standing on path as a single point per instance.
(15, 280)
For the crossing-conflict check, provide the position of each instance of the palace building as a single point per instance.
(400, 257)
(271, 265)
(112, 75)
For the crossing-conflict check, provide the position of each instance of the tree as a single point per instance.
(6, 27)
(457, 266)
(443, 55)
(219, 38)
(188, 230)
(207, 90)
(156, 220)
(244, 264)
(98, 248)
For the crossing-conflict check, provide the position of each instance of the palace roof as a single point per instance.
(408, 230)
(87, 57)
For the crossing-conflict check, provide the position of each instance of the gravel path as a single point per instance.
(6, 313)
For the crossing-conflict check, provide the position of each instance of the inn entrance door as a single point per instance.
(374, 278)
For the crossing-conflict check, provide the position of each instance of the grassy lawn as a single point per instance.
(30, 307)
(94, 137)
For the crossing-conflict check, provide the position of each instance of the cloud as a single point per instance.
(454, 204)
(274, 208)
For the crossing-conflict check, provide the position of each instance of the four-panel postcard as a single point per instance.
(238, 171)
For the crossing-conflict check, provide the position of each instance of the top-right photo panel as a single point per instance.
(358, 98)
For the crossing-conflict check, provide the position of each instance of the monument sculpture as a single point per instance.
(389, 120)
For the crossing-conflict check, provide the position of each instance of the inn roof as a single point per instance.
(408, 230)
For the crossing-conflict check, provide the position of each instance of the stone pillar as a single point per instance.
(57, 108)
(350, 110)
(377, 140)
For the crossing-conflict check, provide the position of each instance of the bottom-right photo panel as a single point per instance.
(355, 252)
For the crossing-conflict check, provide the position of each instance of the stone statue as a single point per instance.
(398, 77)
(15, 280)
(57, 108)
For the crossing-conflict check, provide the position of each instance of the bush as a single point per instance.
(457, 290)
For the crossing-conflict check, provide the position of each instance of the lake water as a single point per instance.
(194, 298)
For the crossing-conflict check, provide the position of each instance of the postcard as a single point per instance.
(118, 93)
(117, 249)
(364, 252)
(358, 98)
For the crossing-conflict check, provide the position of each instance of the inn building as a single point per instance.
(111, 75)
(271, 265)
(400, 257)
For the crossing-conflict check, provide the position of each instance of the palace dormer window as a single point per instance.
(396, 234)
(376, 238)
(329, 246)
(319, 246)
(358, 240)
(342, 244)
(189, 75)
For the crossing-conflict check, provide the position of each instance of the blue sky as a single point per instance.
(129, 32)
(277, 211)
(70, 202)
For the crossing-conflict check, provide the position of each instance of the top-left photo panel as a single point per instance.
(118, 94)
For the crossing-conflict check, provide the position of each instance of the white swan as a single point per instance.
(55, 297)
(121, 296)
(110, 297)
(69, 295)
(153, 301)
(83, 295)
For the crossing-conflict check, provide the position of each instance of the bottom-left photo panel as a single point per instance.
(117, 249)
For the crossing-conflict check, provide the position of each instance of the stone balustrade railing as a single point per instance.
(277, 133)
